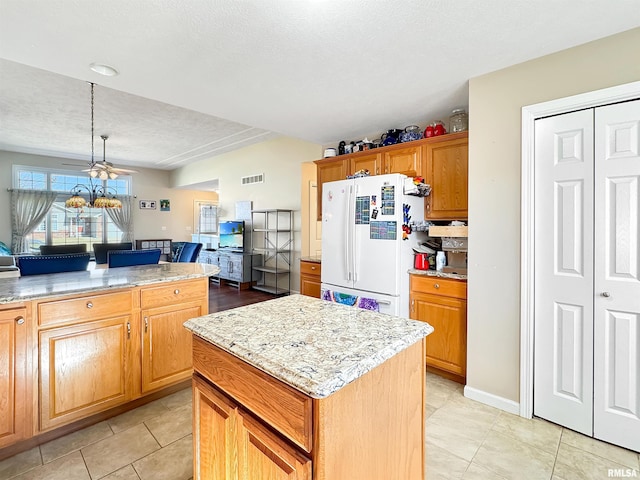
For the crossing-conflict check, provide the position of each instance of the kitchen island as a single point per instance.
(302, 388)
(76, 345)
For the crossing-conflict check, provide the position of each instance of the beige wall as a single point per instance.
(280, 160)
(148, 184)
(495, 106)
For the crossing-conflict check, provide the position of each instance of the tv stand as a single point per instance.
(235, 267)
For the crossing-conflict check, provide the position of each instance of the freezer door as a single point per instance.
(378, 234)
(337, 234)
(386, 303)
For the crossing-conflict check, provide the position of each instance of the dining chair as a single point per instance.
(64, 262)
(189, 252)
(127, 258)
(100, 250)
(63, 248)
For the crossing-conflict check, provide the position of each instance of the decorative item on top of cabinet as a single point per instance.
(15, 407)
(443, 304)
(446, 165)
(310, 273)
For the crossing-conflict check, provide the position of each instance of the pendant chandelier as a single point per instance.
(99, 195)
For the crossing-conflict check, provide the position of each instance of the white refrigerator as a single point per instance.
(364, 250)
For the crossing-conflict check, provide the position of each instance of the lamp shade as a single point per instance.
(76, 201)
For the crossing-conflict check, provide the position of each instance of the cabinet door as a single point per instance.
(372, 162)
(446, 170)
(407, 161)
(214, 434)
(447, 345)
(262, 454)
(329, 171)
(84, 369)
(166, 344)
(310, 285)
(235, 267)
(13, 376)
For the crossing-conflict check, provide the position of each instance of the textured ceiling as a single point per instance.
(200, 77)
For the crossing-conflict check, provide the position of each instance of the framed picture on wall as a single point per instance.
(148, 204)
(165, 205)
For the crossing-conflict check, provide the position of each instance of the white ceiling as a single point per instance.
(201, 77)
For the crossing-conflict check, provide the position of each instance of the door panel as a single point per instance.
(564, 270)
(335, 222)
(617, 283)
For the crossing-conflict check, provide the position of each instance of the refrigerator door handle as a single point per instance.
(354, 260)
(347, 236)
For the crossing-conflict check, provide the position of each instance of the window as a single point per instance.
(64, 225)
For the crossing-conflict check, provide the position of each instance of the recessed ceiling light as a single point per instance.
(105, 70)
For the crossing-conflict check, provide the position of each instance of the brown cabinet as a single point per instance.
(15, 411)
(406, 160)
(366, 161)
(102, 350)
(330, 170)
(231, 444)
(310, 273)
(446, 165)
(166, 344)
(442, 303)
(248, 424)
(84, 369)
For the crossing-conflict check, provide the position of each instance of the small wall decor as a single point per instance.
(165, 205)
(148, 204)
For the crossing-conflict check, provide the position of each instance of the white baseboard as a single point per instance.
(492, 400)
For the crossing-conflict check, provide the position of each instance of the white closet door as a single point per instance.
(617, 278)
(563, 351)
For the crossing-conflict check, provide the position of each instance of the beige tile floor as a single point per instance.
(465, 440)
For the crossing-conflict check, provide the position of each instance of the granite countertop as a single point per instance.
(433, 273)
(313, 345)
(314, 259)
(54, 284)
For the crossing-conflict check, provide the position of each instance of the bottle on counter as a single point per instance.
(441, 261)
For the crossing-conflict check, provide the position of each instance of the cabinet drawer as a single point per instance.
(310, 268)
(279, 405)
(86, 308)
(439, 286)
(173, 293)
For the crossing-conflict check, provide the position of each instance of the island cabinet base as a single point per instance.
(248, 424)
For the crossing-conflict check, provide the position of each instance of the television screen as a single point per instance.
(232, 235)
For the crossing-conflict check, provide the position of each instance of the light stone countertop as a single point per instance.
(434, 273)
(55, 284)
(315, 346)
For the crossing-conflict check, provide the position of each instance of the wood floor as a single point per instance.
(223, 297)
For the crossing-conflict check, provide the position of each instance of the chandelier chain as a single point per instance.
(92, 135)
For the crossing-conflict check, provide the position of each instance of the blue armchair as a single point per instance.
(127, 258)
(65, 262)
(100, 250)
(189, 252)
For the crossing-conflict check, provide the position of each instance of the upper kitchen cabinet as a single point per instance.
(406, 160)
(330, 170)
(446, 169)
(369, 161)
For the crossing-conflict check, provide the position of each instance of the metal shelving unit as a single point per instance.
(272, 236)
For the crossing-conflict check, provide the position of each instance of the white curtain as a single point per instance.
(122, 218)
(28, 208)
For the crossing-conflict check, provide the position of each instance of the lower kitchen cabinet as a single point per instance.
(442, 303)
(84, 369)
(310, 273)
(230, 444)
(166, 344)
(15, 408)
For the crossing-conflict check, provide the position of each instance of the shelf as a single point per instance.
(272, 290)
(271, 270)
(272, 235)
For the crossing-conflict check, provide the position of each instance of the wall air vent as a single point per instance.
(251, 179)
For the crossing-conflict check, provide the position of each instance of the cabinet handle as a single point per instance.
(436, 285)
(89, 305)
(176, 291)
(128, 330)
(313, 268)
(606, 294)
(146, 324)
(413, 305)
(20, 320)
